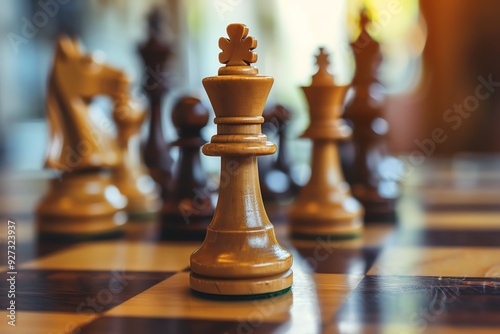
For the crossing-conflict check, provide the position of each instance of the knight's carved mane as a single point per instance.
(74, 141)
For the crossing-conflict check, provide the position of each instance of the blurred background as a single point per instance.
(436, 53)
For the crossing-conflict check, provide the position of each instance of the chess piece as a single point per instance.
(376, 192)
(277, 183)
(130, 176)
(188, 208)
(240, 254)
(155, 54)
(82, 201)
(325, 205)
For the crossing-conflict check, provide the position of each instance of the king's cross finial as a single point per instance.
(322, 60)
(237, 50)
(322, 77)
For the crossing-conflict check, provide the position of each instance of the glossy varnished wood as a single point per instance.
(155, 53)
(434, 301)
(188, 208)
(276, 181)
(81, 200)
(240, 254)
(325, 205)
(66, 290)
(371, 184)
(131, 176)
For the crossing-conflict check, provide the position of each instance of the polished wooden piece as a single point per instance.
(131, 176)
(277, 183)
(155, 53)
(364, 155)
(240, 254)
(325, 205)
(188, 208)
(82, 199)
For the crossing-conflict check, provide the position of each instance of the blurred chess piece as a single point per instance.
(131, 176)
(325, 207)
(367, 164)
(82, 201)
(155, 54)
(276, 181)
(188, 208)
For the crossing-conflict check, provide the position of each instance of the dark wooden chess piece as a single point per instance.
(188, 208)
(370, 181)
(155, 53)
(325, 207)
(240, 254)
(277, 183)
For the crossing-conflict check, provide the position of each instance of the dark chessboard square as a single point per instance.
(81, 292)
(330, 260)
(448, 238)
(124, 325)
(414, 301)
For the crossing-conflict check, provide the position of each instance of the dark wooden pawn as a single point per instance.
(277, 183)
(188, 208)
(155, 52)
(365, 157)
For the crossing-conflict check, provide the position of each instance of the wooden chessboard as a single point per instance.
(436, 271)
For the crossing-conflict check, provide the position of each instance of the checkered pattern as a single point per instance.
(436, 271)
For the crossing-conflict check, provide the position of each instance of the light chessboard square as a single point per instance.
(119, 255)
(438, 261)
